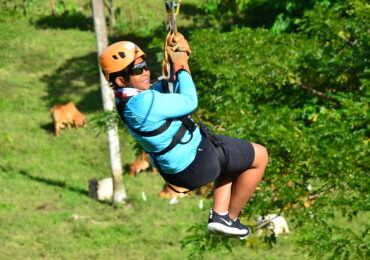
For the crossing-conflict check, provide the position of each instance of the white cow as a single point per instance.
(277, 224)
(101, 190)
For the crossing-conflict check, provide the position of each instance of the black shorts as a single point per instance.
(206, 167)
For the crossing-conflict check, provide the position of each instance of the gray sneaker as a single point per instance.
(225, 226)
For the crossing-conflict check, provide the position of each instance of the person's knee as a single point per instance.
(265, 155)
(261, 155)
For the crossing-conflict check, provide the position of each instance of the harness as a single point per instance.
(187, 125)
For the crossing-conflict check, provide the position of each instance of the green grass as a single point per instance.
(44, 179)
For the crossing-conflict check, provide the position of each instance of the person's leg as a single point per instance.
(231, 195)
(219, 221)
(244, 186)
(225, 190)
(221, 194)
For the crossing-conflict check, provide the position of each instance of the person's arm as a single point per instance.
(157, 106)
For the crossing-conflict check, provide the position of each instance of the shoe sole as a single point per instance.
(219, 229)
(244, 237)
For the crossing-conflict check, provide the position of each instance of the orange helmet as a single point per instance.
(118, 56)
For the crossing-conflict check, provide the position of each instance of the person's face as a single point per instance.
(140, 81)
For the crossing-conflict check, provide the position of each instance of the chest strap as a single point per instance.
(187, 125)
(121, 106)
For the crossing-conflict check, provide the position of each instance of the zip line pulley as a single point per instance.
(173, 9)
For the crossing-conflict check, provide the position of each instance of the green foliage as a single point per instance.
(104, 121)
(200, 242)
(139, 18)
(305, 97)
(339, 59)
(280, 15)
(34, 7)
(338, 242)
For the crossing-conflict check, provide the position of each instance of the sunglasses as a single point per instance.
(139, 68)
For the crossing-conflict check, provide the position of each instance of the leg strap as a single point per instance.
(172, 188)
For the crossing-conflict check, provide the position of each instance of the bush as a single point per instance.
(304, 97)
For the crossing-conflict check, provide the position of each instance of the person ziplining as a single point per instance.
(186, 154)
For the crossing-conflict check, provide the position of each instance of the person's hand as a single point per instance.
(178, 50)
(177, 56)
(180, 44)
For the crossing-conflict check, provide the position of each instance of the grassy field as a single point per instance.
(44, 179)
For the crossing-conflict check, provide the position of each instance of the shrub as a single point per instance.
(305, 97)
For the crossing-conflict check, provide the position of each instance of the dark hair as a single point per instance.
(125, 73)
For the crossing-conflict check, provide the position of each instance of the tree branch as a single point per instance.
(106, 5)
(317, 92)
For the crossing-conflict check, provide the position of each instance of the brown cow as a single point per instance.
(141, 163)
(66, 115)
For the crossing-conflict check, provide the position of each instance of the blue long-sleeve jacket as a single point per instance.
(149, 109)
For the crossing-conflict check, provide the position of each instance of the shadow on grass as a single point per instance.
(75, 78)
(48, 127)
(61, 184)
(65, 20)
(55, 183)
(126, 168)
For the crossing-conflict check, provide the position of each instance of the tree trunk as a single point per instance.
(52, 7)
(112, 17)
(119, 194)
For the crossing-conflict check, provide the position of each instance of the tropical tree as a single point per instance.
(305, 96)
(119, 194)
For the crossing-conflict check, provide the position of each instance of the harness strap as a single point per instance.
(182, 192)
(120, 107)
(175, 140)
(218, 145)
(168, 184)
(187, 124)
